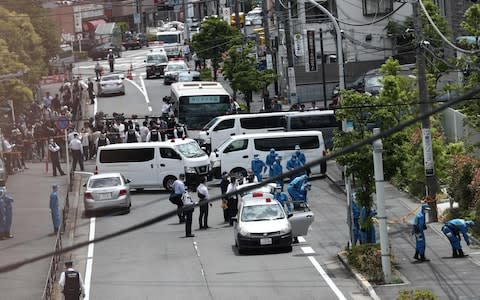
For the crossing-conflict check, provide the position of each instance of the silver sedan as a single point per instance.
(107, 191)
(111, 84)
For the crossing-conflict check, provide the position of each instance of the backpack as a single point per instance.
(131, 136)
(72, 283)
(154, 136)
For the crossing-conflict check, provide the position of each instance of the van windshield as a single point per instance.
(169, 38)
(210, 124)
(190, 150)
(156, 59)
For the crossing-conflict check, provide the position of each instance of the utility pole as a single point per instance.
(381, 212)
(186, 27)
(430, 186)
(266, 29)
(237, 16)
(139, 14)
(291, 83)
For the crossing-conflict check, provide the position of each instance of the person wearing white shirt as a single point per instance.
(77, 152)
(85, 143)
(202, 193)
(71, 282)
(144, 131)
(54, 157)
(232, 200)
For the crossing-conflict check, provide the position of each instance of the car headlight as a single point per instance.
(286, 229)
(243, 232)
(190, 170)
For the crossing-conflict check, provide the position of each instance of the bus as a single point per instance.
(197, 102)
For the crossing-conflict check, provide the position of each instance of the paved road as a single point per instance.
(158, 260)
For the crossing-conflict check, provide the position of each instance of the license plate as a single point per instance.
(266, 241)
(104, 196)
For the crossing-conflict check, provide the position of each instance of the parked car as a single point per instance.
(101, 51)
(107, 191)
(172, 69)
(3, 173)
(263, 223)
(111, 84)
(187, 76)
(156, 62)
(134, 40)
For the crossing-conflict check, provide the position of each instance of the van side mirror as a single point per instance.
(128, 180)
(144, 60)
(234, 219)
(84, 185)
(289, 215)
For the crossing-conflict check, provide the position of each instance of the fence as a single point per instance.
(57, 257)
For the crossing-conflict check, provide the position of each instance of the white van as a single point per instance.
(321, 120)
(171, 41)
(236, 153)
(155, 164)
(215, 132)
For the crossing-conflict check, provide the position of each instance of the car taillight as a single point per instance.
(96, 170)
(87, 195)
(257, 194)
(123, 192)
(268, 200)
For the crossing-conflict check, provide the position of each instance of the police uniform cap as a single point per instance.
(181, 175)
(297, 147)
(425, 206)
(68, 262)
(470, 223)
(55, 186)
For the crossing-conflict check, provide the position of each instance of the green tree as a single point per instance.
(23, 54)
(240, 69)
(213, 40)
(44, 26)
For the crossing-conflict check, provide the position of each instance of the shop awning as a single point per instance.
(92, 24)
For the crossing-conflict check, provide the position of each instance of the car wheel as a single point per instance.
(239, 173)
(168, 183)
(147, 77)
(126, 211)
(288, 249)
(241, 250)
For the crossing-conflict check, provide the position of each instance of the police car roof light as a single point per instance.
(268, 200)
(257, 194)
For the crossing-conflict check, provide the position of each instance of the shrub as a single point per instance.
(417, 295)
(367, 259)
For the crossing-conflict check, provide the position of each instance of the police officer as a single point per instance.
(452, 230)
(111, 59)
(277, 170)
(269, 160)
(297, 188)
(176, 196)
(419, 225)
(283, 199)
(5, 214)
(202, 193)
(258, 166)
(71, 283)
(188, 207)
(223, 188)
(292, 164)
(54, 208)
(356, 221)
(54, 149)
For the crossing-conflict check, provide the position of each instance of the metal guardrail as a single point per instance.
(57, 257)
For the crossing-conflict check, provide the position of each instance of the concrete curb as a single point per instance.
(358, 277)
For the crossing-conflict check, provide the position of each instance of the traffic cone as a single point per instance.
(129, 74)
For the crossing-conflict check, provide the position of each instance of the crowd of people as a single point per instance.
(28, 137)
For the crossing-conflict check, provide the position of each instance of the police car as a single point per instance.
(263, 223)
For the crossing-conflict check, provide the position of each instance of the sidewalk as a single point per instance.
(32, 226)
(447, 278)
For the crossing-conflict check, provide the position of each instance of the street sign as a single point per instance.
(311, 58)
(62, 123)
(136, 18)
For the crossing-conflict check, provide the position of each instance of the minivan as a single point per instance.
(321, 120)
(236, 153)
(155, 164)
(221, 128)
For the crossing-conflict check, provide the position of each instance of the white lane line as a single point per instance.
(301, 239)
(321, 271)
(144, 90)
(88, 269)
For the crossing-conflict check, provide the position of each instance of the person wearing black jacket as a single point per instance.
(223, 188)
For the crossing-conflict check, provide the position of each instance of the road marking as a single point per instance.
(88, 269)
(321, 271)
(142, 82)
(301, 239)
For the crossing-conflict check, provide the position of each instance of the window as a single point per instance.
(225, 124)
(314, 15)
(169, 153)
(104, 182)
(237, 145)
(376, 7)
(293, 9)
(126, 155)
(313, 122)
(287, 143)
(260, 122)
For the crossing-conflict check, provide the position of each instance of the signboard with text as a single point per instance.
(311, 57)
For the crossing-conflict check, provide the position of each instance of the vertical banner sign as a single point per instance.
(427, 152)
(311, 59)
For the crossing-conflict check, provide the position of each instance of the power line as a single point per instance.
(167, 215)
